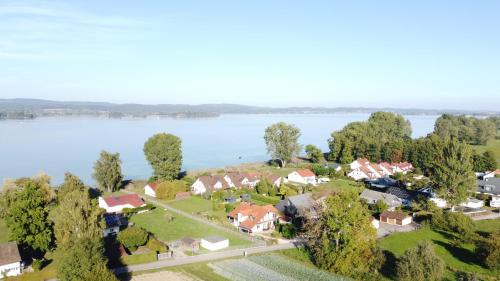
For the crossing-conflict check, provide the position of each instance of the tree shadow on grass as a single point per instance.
(389, 267)
(464, 255)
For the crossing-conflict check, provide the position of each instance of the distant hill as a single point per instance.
(39, 107)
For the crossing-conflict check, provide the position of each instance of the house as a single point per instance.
(490, 174)
(440, 203)
(209, 183)
(375, 223)
(372, 197)
(406, 196)
(473, 203)
(113, 223)
(299, 206)
(489, 186)
(116, 203)
(361, 168)
(10, 260)
(252, 218)
(214, 243)
(150, 189)
(395, 218)
(495, 201)
(303, 176)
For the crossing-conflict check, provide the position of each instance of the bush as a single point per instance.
(288, 231)
(129, 211)
(455, 222)
(488, 250)
(37, 265)
(133, 237)
(156, 246)
(420, 264)
(168, 189)
(229, 207)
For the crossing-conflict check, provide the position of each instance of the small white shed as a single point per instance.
(473, 203)
(214, 243)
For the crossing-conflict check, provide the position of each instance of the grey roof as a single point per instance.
(9, 253)
(405, 194)
(214, 239)
(489, 185)
(385, 181)
(374, 196)
(302, 201)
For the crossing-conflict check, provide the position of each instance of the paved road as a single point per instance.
(202, 258)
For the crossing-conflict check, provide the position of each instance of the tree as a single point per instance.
(341, 238)
(71, 183)
(380, 206)
(164, 154)
(262, 186)
(108, 171)
(26, 215)
(465, 129)
(484, 162)
(488, 250)
(452, 175)
(168, 189)
(282, 141)
(133, 237)
(420, 264)
(314, 153)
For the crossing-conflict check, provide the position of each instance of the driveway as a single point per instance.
(386, 229)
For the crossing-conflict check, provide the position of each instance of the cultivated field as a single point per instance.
(270, 267)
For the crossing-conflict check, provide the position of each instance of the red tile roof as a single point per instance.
(132, 199)
(254, 213)
(394, 215)
(305, 173)
(153, 185)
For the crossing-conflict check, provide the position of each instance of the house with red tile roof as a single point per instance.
(252, 218)
(116, 203)
(303, 176)
(150, 189)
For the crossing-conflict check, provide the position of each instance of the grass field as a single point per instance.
(493, 145)
(487, 225)
(181, 226)
(4, 232)
(338, 185)
(460, 257)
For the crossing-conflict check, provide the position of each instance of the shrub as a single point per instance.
(168, 189)
(488, 250)
(454, 222)
(156, 246)
(129, 211)
(288, 231)
(229, 207)
(133, 237)
(420, 264)
(37, 265)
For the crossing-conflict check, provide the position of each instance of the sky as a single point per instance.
(407, 54)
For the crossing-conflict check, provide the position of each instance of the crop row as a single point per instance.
(245, 270)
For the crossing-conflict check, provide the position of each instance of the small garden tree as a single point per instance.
(108, 171)
(488, 250)
(263, 186)
(314, 153)
(168, 189)
(133, 237)
(420, 264)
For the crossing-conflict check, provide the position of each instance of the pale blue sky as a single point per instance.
(425, 54)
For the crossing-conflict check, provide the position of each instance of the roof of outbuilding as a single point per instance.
(116, 200)
(9, 253)
(394, 215)
(214, 239)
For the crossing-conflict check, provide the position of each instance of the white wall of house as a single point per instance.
(357, 175)
(406, 221)
(214, 246)
(11, 269)
(198, 187)
(149, 191)
(110, 231)
(473, 204)
(295, 177)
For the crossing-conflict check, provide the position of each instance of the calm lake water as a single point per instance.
(56, 145)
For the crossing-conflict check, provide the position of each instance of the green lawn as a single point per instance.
(196, 205)
(460, 258)
(181, 226)
(199, 270)
(487, 225)
(493, 145)
(4, 232)
(339, 185)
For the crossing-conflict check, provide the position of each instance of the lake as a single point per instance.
(59, 144)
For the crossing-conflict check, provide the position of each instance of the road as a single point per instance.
(202, 258)
(199, 219)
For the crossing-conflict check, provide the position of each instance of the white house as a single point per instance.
(303, 176)
(214, 243)
(252, 218)
(361, 168)
(10, 260)
(375, 223)
(116, 203)
(495, 201)
(358, 163)
(395, 218)
(473, 203)
(209, 183)
(150, 189)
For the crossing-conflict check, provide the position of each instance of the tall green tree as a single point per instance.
(466, 129)
(262, 186)
(108, 171)
(484, 162)
(282, 141)
(420, 264)
(488, 250)
(164, 154)
(71, 183)
(452, 173)
(314, 153)
(341, 238)
(26, 210)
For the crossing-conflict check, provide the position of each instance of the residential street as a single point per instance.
(202, 258)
